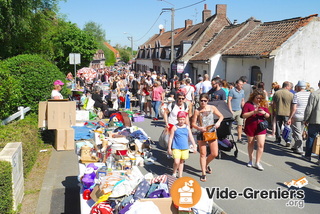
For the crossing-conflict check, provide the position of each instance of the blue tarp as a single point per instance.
(82, 133)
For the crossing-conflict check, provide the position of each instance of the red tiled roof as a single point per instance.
(207, 31)
(115, 51)
(225, 39)
(164, 39)
(267, 37)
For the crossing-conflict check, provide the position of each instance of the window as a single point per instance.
(256, 75)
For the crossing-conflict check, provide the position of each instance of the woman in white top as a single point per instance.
(57, 86)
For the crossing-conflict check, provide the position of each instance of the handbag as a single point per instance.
(164, 139)
(210, 134)
(263, 125)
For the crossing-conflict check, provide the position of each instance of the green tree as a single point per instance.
(95, 30)
(71, 39)
(108, 54)
(17, 19)
(125, 55)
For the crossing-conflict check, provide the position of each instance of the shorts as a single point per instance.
(236, 116)
(180, 154)
(200, 136)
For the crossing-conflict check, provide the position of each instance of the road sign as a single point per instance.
(74, 58)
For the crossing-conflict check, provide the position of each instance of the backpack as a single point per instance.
(174, 103)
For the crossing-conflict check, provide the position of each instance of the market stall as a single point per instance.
(110, 156)
(109, 161)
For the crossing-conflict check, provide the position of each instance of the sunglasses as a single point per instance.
(204, 101)
(180, 98)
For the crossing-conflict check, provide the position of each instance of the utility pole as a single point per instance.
(172, 39)
(130, 38)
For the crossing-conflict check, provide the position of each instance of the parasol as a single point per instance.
(88, 73)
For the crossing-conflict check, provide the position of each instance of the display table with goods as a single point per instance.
(108, 167)
(110, 176)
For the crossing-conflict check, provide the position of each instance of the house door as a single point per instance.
(256, 75)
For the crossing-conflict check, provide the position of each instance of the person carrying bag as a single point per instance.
(203, 121)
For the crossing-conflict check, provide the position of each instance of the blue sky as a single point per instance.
(140, 18)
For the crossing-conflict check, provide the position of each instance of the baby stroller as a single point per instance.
(226, 140)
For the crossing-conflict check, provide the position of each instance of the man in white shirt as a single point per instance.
(206, 85)
(296, 118)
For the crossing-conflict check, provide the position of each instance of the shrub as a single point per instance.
(6, 197)
(10, 94)
(36, 77)
(27, 132)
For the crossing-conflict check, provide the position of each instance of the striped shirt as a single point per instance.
(301, 100)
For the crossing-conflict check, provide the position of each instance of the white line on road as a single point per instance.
(246, 153)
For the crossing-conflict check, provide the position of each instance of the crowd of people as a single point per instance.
(289, 106)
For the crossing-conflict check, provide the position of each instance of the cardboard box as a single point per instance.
(64, 139)
(316, 146)
(56, 114)
(61, 114)
(165, 205)
(42, 114)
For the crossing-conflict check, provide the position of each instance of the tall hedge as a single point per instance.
(36, 77)
(27, 132)
(6, 196)
(10, 94)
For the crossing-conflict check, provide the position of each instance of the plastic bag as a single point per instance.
(286, 132)
(164, 139)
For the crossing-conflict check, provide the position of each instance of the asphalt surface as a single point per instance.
(60, 190)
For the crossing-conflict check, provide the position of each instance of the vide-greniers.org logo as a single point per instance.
(186, 193)
(295, 196)
(254, 194)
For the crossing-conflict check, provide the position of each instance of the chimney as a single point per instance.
(205, 13)
(162, 30)
(187, 23)
(221, 10)
(235, 22)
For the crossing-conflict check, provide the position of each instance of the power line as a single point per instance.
(150, 27)
(181, 8)
(161, 14)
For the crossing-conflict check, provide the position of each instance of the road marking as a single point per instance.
(246, 153)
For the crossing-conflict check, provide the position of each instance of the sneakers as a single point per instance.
(155, 119)
(259, 166)
(306, 158)
(240, 141)
(249, 164)
(288, 144)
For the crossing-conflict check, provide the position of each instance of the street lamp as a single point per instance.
(172, 34)
(130, 38)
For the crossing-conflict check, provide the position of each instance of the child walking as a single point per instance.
(178, 145)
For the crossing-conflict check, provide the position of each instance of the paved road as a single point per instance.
(60, 191)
